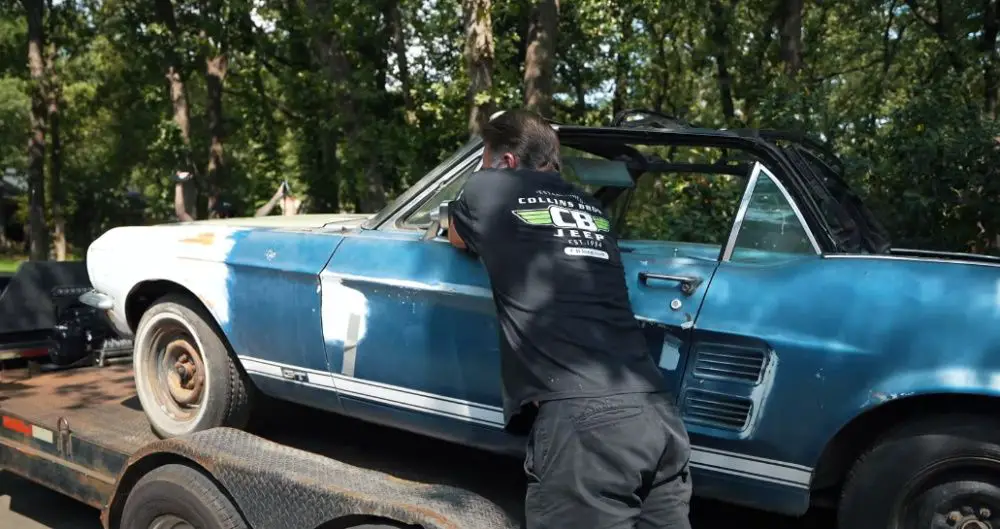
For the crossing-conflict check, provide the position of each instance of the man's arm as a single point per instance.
(470, 214)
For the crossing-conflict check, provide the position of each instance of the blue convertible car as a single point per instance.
(812, 362)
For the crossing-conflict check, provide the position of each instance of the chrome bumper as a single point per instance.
(97, 300)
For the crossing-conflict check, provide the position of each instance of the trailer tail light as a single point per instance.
(30, 352)
(27, 429)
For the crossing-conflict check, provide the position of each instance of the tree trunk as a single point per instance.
(339, 70)
(539, 62)
(320, 170)
(55, 154)
(479, 54)
(991, 62)
(662, 68)
(37, 229)
(187, 208)
(622, 63)
(55, 165)
(396, 25)
(215, 76)
(791, 36)
(721, 43)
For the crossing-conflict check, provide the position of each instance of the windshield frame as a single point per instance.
(427, 182)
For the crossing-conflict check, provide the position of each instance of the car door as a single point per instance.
(410, 324)
(747, 327)
(672, 228)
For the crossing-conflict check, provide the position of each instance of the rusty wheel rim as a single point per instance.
(178, 370)
(187, 379)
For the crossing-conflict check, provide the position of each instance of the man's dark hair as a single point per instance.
(526, 135)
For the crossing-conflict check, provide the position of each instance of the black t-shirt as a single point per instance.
(566, 324)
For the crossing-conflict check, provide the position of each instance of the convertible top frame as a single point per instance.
(806, 188)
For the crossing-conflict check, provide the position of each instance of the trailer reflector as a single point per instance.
(17, 425)
(42, 434)
(28, 430)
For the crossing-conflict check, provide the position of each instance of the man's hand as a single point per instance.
(453, 237)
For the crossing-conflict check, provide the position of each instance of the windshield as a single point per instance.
(404, 197)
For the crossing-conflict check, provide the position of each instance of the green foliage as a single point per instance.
(8, 266)
(901, 101)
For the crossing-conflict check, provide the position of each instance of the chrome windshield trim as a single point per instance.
(727, 252)
(745, 204)
(795, 208)
(393, 223)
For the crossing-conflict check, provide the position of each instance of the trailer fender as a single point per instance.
(278, 487)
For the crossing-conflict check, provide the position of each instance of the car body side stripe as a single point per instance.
(704, 458)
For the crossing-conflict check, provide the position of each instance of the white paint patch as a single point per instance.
(338, 305)
(190, 255)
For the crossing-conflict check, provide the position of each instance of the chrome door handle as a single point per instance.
(688, 283)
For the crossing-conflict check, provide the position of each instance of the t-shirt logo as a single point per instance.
(581, 232)
(561, 217)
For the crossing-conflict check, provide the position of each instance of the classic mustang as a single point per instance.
(812, 362)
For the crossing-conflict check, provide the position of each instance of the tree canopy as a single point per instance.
(102, 101)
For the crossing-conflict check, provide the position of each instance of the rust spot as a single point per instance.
(204, 239)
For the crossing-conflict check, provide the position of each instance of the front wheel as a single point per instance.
(178, 497)
(186, 379)
(937, 473)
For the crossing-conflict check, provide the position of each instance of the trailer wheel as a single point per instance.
(937, 472)
(178, 497)
(185, 377)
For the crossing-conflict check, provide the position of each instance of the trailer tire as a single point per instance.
(179, 493)
(177, 327)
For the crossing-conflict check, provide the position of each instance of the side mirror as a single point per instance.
(444, 215)
(440, 220)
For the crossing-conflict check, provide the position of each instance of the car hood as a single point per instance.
(313, 220)
(212, 239)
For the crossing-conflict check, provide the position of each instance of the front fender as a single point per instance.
(191, 256)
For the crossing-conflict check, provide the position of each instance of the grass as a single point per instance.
(9, 264)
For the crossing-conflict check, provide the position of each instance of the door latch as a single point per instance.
(688, 284)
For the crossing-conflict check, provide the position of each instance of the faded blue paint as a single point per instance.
(842, 336)
(651, 300)
(274, 300)
(438, 336)
(851, 334)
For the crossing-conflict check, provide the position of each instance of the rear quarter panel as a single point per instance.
(846, 335)
(852, 333)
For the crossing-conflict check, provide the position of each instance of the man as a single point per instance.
(606, 448)
(283, 198)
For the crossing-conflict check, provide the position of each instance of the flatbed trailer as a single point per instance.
(81, 432)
